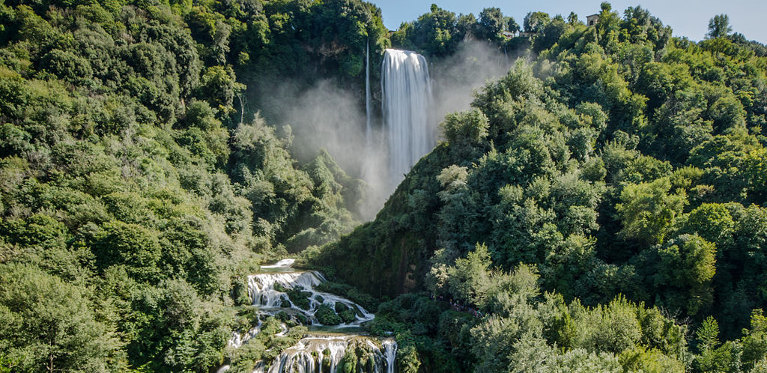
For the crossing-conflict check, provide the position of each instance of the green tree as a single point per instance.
(687, 266)
(512, 25)
(491, 23)
(47, 324)
(648, 210)
(535, 21)
(719, 26)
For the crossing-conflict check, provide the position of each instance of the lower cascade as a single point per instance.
(326, 354)
(293, 292)
(333, 344)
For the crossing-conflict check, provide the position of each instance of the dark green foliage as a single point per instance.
(349, 292)
(440, 32)
(327, 316)
(135, 194)
(719, 26)
(344, 312)
(299, 297)
(490, 24)
(616, 177)
(623, 168)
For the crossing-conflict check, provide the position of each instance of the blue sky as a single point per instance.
(687, 18)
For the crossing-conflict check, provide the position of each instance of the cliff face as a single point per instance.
(390, 255)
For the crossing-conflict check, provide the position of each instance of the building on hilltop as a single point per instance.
(592, 19)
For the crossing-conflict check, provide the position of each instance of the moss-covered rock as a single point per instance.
(346, 313)
(347, 316)
(299, 297)
(359, 357)
(302, 319)
(285, 303)
(340, 307)
(326, 316)
(282, 316)
(326, 360)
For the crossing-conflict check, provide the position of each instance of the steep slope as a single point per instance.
(619, 161)
(135, 194)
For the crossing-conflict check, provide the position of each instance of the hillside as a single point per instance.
(136, 190)
(601, 207)
(613, 173)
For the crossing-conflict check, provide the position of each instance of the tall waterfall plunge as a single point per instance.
(406, 89)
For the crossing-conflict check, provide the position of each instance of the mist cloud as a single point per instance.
(325, 116)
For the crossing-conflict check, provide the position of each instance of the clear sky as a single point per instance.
(687, 18)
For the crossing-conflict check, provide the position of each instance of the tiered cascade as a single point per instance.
(325, 354)
(271, 292)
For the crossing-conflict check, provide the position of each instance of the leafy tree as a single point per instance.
(535, 21)
(719, 26)
(687, 265)
(648, 210)
(491, 23)
(49, 324)
(512, 25)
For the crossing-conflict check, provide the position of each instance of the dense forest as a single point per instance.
(137, 193)
(602, 207)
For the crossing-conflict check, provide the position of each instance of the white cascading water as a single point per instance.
(323, 354)
(316, 353)
(390, 353)
(406, 89)
(263, 291)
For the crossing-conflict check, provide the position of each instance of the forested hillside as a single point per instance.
(136, 193)
(603, 207)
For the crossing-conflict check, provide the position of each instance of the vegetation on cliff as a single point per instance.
(600, 207)
(610, 186)
(136, 192)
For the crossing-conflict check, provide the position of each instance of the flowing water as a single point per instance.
(323, 354)
(269, 291)
(406, 89)
(319, 351)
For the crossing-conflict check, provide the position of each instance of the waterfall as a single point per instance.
(271, 290)
(390, 352)
(368, 108)
(406, 89)
(324, 354)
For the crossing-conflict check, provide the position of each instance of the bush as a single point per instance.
(299, 298)
(326, 316)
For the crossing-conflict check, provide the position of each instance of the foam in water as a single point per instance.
(269, 292)
(390, 352)
(323, 354)
(406, 89)
(312, 353)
